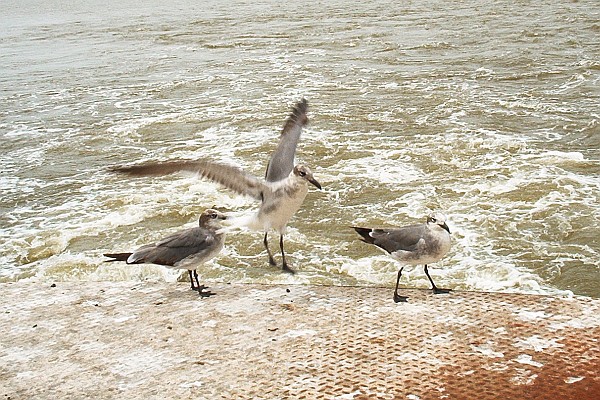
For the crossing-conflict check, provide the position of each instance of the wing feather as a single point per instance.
(231, 177)
(174, 248)
(281, 162)
(405, 238)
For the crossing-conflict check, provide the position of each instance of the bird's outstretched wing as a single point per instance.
(231, 177)
(281, 162)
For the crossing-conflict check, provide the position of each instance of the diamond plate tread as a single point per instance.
(158, 340)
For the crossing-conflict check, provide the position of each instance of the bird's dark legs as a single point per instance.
(197, 287)
(266, 243)
(397, 297)
(192, 279)
(284, 266)
(436, 290)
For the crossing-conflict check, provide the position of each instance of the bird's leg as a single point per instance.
(192, 279)
(200, 288)
(284, 266)
(397, 297)
(266, 243)
(436, 290)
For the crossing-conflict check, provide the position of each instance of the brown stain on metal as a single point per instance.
(370, 366)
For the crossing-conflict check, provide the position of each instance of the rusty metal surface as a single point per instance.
(156, 341)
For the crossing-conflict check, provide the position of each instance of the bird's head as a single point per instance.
(438, 219)
(211, 217)
(303, 172)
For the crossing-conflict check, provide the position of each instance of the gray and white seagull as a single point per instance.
(412, 245)
(186, 249)
(281, 193)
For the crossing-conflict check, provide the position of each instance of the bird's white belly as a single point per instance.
(425, 254)
(276, 213)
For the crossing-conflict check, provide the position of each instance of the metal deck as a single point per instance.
(161, 341)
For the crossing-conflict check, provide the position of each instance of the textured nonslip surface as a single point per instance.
(156, 340)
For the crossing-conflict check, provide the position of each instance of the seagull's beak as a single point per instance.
(445, 226)
(314, 182)
(221, 216)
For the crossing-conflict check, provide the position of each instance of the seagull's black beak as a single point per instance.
(445, 226)
(314, 182)
(221, 216)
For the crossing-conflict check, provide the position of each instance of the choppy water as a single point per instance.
(487, 110)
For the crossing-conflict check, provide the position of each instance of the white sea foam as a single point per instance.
(379, 167)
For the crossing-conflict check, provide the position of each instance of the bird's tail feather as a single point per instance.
(365, 233)
(242, 221)
(117, 256)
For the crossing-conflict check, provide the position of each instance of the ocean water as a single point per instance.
(487, 111)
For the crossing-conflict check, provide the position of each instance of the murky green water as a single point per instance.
(486, 111)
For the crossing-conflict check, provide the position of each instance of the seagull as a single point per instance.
(185, 249)
(281, 193)
(412, 245)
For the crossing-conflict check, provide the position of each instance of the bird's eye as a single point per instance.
(433, 219)
(302, 173)
(213, 215)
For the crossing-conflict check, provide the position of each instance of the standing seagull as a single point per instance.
(281, 193)
(415, 244)
(183, 250)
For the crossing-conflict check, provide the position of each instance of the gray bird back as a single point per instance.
(177, 247)
(405, 238)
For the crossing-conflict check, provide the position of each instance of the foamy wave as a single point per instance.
(557, 157)
(379, 167)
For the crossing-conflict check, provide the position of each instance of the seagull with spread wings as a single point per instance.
(281, 193)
